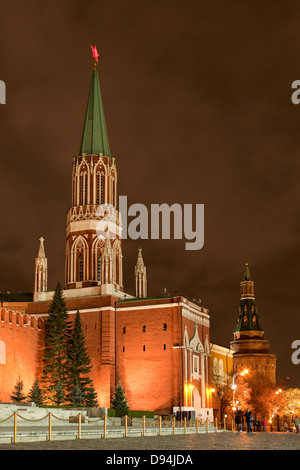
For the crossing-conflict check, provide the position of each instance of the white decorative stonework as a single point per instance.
(195, 343)
(196, 317)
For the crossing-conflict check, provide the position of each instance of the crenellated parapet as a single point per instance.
(13, 319)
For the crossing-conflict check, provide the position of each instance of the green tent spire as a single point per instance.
(248, 317)
(247, 275)
(95, 138)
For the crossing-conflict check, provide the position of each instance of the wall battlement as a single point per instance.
(14, 319)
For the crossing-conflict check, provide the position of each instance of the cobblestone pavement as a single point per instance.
(211, 441)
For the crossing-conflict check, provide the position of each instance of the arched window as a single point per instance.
(99, 269)
(221, 368)
(80, 268)
(98, 185)
(215, 366)
(100, 188)
(83, 188)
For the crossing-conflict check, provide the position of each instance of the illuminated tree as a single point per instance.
(17, 395)
(76, 396)
(56, 347)
(290, 404)
(224, 391)
(119, 402)
(242, 393)
(91, 397)
(79, 366)
(263, 397)
(36, 393)
(59, 396)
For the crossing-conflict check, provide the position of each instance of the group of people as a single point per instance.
(252, 424)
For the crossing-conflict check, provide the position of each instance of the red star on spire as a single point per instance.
(95, 53)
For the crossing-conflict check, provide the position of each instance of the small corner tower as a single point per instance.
(41, 273)
(250, 349)
(140, 277)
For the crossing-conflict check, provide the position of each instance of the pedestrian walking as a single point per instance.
(259, 425)
(238, 418)
(264, 424)
(297, 424)
(249, 419)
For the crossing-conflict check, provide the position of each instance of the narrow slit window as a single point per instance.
(99, 269)
(102, 189)
(84, 189)
(80, 270)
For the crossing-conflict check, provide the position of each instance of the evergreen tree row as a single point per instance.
(66, 364)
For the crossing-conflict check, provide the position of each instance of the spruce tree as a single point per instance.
(56, 345)
(17, 395)
(91, 399)
(76, 396)
(59, 396)
(36, 393)
(79, 363)
(119, 402)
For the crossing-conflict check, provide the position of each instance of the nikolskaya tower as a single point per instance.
(93, 241)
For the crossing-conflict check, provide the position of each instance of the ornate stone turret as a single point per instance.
(250, 349)
(140, 276)
(41, 273)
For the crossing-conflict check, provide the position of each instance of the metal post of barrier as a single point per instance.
(197, 424)
(207, 424)
(216, 424)
(105, 417)
(126, 426)
(79, 426)
(144, 425)
(224, 421)
(185, 425)
(173, 425)
(50, 427)
(232, 428)
(15, 427)
(159, 425)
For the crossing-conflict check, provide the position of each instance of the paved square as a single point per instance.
(211, 441)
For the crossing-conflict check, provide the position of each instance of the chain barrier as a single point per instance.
(5, 419)
(157, 422)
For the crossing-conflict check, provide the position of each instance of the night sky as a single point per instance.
(197, 99)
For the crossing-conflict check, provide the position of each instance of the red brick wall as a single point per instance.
(151, 376)
(23, 338)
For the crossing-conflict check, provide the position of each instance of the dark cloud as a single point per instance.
(197, 97)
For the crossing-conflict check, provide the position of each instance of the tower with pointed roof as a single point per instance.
(250, 349)
(93, 244)
(160, 344)
(41, 273)
(140, 277)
